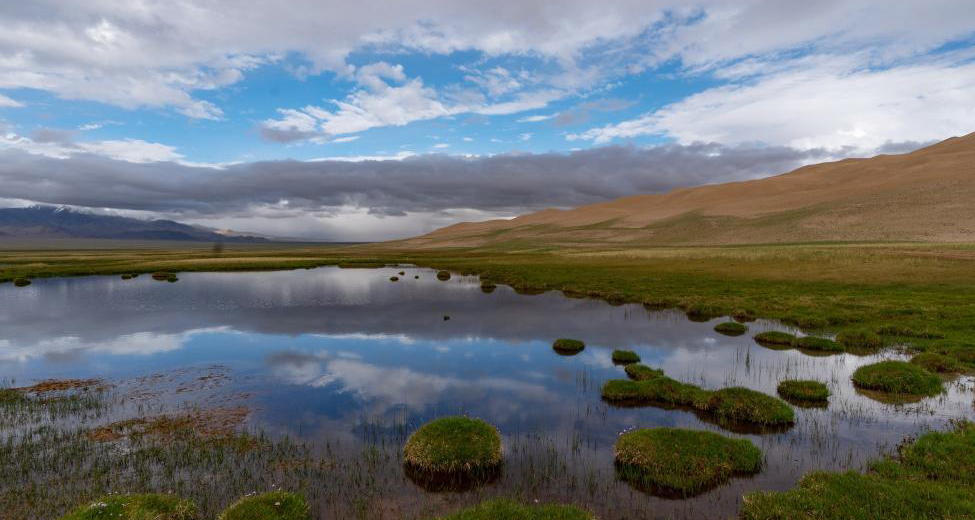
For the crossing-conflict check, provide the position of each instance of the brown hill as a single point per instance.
(925, 195)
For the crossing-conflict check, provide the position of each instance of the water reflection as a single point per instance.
(348, 358)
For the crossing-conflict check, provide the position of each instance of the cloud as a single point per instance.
(53, 135)
(535, 119)
(6, 102)
(822, 106)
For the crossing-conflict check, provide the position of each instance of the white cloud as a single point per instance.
(441, 145)
(132, 150)
(6, 102)
(535, 119)
(825, 106)
(346, 139)
(468, 139)
(525, 136)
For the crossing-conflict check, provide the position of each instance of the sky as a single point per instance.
(378, 120)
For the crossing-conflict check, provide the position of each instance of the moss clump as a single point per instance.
(402, 273)
(803, 390)
(742, 405)
(659, 390)
(443, 275)
(625, 356)
(21, 282)
(454, 445)
(511, 510)
(931, 479)
(897, 377)
(939, 363)
(731, 328)
(136, 507)
(818, 344)
(775, 337)
(488, 287)
(126, 276)
(568, 346)
(394, 278)
(276, 505)
(860, 340)
(161, 276)
(683, 462)
(639, 372)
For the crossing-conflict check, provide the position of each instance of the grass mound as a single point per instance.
(488, 287)
(774, 337)
(136, 507)
(898, 377)
(454, 445)
(742, 405)
(501, 509)
(803, 390)
(639, 372)
(818, 344)
(443, 275)
(21, 282)
(682, 462)
(275, 505)
(568, 346)
(731, 328)
(939, 363)
(394, 278)
(860, 340)
(931, 479)
(625, 356)
(660, 390)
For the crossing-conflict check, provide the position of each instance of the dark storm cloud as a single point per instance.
(510, 182)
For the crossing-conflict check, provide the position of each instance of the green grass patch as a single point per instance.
(501, 509)
(136, 507)
(803, 390)
(774, 337)
(931, 478)
(640, 372)
(907, 332)
(897, 377)
(625, 356)
(741, 405)
(731, 328)
(454, 445)
(660, 391)
(275, 505)
(568, 346)
(682, 462)
(938, 363)
(860, 340)
(817, 344)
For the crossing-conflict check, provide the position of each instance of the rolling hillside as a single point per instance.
(925, 195)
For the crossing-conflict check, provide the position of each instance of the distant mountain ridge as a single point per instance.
(62, 222)
(927, 195)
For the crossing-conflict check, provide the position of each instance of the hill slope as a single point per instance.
(57, 222)
(925, 195)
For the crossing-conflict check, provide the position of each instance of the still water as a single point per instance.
(349, 359)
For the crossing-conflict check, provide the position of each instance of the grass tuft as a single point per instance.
(742, 405)
(21, 282)
(454, 445)
(625, 356)
(640, 372)
(275, 505)
(501, 509)
(443, 275)
(136, 507)
(818, 344)
(682, 462)
(568, 346)
(938, 363)
(774, 337)
(860, 340)
(803, 390)
(731, 328)
(897, 377)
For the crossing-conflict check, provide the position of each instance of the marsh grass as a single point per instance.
(679, 462)
(731, 328)
(452, 445)
(274, 505)
(742, 405)
(860, 341)
(152, 506)
(502, 509)
(803, 391)
(931, 478)
(937, 363)
(898, 377)
(623, 357)
(816, 344)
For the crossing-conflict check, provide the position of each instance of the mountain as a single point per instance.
(60, 222)
(925, 195)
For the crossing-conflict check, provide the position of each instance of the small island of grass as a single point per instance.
(731, 328)
(623, 357)
(454, 445)
(860, 340)
(803, 390)
(897, 377)
(21, 282)
(443, 275)
(275, 505)
(568, 346)
(640, 372)
(818, 344)
(682, 462)
(937, 363)
(742, 405)
(774, 337)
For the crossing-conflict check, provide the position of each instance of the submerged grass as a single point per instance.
(898, 377)
(501, 509)
(932, 478)
(682, 462)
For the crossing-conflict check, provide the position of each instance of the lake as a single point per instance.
(348, 363)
